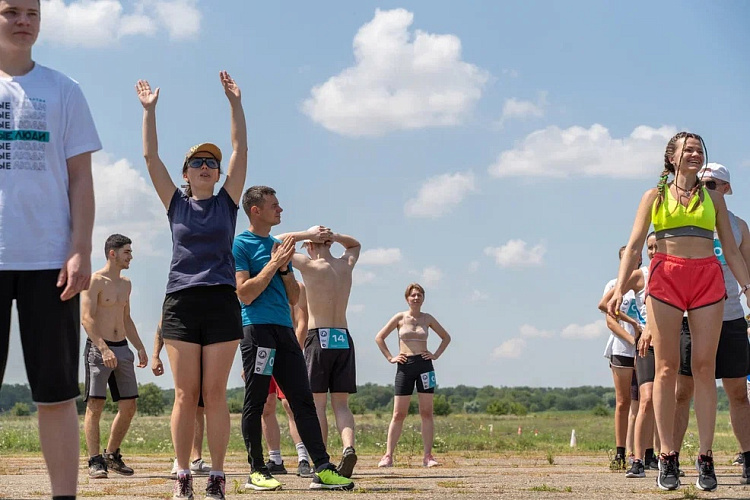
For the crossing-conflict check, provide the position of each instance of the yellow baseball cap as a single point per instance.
(204, 147)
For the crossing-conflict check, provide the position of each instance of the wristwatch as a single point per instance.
(284, 273)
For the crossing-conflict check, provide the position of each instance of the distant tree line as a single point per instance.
(374, 398)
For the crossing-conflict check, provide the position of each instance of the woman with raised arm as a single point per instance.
(414, 362)
(684, 275)
(201, 315)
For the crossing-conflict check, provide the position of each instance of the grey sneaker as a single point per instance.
(636, 470)
(183, 487)
(216, 487)
(275, 468)
(97, 467)
(115, 463)
(706, 473)
(304, 469)
(348, 461)
(198, 466)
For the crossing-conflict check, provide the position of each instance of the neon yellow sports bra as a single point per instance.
(673, 219)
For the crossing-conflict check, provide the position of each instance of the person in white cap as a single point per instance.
(733, 353)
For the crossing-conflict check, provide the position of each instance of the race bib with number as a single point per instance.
(333, 338)
(428, 380)
(719, 252)
(264, 361)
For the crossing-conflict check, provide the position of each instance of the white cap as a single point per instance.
(716, 171)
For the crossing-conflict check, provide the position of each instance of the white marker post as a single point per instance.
(573, 442)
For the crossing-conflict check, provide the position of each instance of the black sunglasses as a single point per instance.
(712, 184)
(197, 162)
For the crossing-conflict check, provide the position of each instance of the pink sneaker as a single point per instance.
(386, 461)
(429, 461)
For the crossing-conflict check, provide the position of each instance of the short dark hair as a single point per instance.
(622, 249)
(253, 197)
(115, 242)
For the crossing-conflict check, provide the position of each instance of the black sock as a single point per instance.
(64, 497)
(621, 451)
(649, 454)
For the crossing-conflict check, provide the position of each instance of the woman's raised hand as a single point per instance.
(148, 99)
(231, 89)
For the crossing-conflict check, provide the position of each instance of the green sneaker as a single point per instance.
(262, 480)
(330, 479)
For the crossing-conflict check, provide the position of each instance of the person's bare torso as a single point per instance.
(328, 283)
(412, 334)
(110, 307)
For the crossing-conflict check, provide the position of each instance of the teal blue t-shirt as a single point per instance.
(271, 307)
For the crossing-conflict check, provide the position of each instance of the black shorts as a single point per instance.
(634, 394)
(416, 371)
(330, 360)
(50, 333)
(121, 379)
(202, 315)
(645, 367)
(617, 361)
(732, 354)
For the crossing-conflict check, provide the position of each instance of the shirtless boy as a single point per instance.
(105, 314)
(329, 349)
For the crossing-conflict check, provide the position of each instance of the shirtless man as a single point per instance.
(329, 349)
(105, 314)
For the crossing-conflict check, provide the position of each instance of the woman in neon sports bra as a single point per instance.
(414, 368)
(685, 275)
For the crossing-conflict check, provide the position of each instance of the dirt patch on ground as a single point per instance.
(473, 476)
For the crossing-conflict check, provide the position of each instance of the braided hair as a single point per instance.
(670, 168)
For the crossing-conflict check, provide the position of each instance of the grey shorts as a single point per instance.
(121, 379)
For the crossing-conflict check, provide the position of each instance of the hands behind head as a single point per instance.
(148, 99)
(231, 89)
(320, 234)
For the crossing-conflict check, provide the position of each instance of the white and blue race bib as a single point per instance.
(428, 380)
(719, 252)
(333, 338)
(264, 359)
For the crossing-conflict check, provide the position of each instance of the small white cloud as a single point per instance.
(512, 73)
(515, 254)
(473, 266)
(102, 23)
(356, 308)
(127, 204)
(591, 331)
(380, 256)
(430, 276)
(440, 194)
(509, 349)
(515, 109)
(360, 277)
(528, 331)
(578, 151)
(477, 296)
(400, 81)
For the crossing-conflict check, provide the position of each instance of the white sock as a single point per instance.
(275, 456)
(302, 452)
(219, 473)
(184, 472)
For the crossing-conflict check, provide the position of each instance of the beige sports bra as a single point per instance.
(418, 334)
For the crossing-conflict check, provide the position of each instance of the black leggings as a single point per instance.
(287, 365)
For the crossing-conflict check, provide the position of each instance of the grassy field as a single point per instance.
(465, 434)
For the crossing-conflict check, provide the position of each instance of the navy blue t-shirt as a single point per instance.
(271, 307)
(202, 235)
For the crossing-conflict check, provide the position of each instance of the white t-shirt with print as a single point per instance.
(44, 121)
(630, 306)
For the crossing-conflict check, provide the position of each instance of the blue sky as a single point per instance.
(494, 152)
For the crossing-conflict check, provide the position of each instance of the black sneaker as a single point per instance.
(636, 470)
(745, 473)
(115, 463)
(275, 468)
(304, 469)
(739, 460)
(668, 478)
(215, 487)
(651, 463)
(618, 463)
(706, 474)
(680, 472)
(97, 467)
(348, 461)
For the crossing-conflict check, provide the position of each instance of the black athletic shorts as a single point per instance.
(416, 371)
(617, 361)
(202, 315)
(50, 333)
(330, 360)
(645, 367)
(732, 355)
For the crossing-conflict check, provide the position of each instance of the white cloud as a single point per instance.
(509, 349)
(516, 109)
(360, 277)
(528, 331)
(356, 308)
(513, 73)
(473, 266)
(591, 331)
(578, 151)
(440, 194)
(400, 81)
(515, 254)
(430, 276)
(101, 23)
(380, 256)
(478, 296)
(126, 203)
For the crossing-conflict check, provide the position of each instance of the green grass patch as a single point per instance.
(552, 489)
